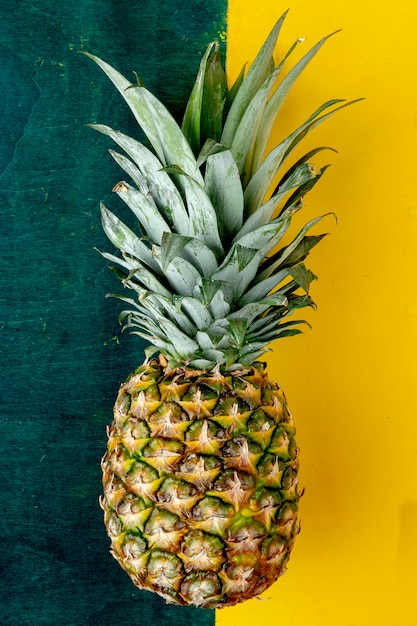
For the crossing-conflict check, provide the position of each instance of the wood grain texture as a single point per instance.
(63, 355)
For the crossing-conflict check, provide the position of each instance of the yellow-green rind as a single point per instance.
(201, 483)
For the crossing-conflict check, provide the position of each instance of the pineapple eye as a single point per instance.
(124, 403)
(238, 445)
(230, 404)
(259, 422)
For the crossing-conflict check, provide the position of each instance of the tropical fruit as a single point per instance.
(201, 472)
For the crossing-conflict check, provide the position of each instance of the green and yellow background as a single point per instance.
(351, 382)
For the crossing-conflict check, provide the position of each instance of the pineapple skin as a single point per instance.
(201, 483)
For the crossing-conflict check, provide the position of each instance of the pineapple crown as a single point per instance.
(212, 285)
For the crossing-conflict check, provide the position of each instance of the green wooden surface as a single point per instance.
(63, 356)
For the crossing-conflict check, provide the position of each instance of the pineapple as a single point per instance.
(200, 475)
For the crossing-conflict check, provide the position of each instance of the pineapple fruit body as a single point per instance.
(200, 476)
(200, 483)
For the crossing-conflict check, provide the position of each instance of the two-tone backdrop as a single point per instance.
(351, 383)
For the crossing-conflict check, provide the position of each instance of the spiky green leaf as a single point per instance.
(191, 124)
(259, 70)
(261, 288)
(180, 273)
(224, 188)
(151, 221)
(237, 271)
(264, 176)
(202, 215)
(242, 146)
(184, 346)
(214, 96)
(122, 237)
(197, 312)
(157, 123)
(302, 276)
(283, 257)
(274, 104)
(162, 189)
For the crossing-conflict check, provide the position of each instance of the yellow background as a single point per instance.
(351, 383)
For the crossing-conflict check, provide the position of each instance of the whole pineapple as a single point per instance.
(200, 476)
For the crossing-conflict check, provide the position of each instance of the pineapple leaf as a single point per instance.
(251, 357)
(259, 70)
(231, 94)
(191, 249)
(180, 273)
(301, 176)
(214, 97)
(279, 332)
(128, 263)
(298, 302)
(291, 332)
(202, 215)
(135, 101)
(215, 356)
(271, 331)
(182, 276)
(254, 309)
(280, 259)
(122, 237)
(204, 340)
(224, 188)
(302, 276)
(237, 271)
(277, 99)
(263, 287)
(263, 323)
(197, 312)
(301, 251)
(131, 301)
(219, 307)
(252, 351)
(298, 166)
(202, 364)
(148, 215)
(209, 147)
(267, 236)
(249, 312)
(295, 252)
(245, 133)
(140, 318)
(184, 346)
(266, 172)
(157, 123)
(161, 306)
(314, 120)
(210, 293)
(201, 257)
(237, 330)
(176, 148)
(139, 278)
(295, 199)
(191, 123)
(208, 290)
(161, 187)
(276, 299)
(239, 258)
(130, 168)
(171, 246)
